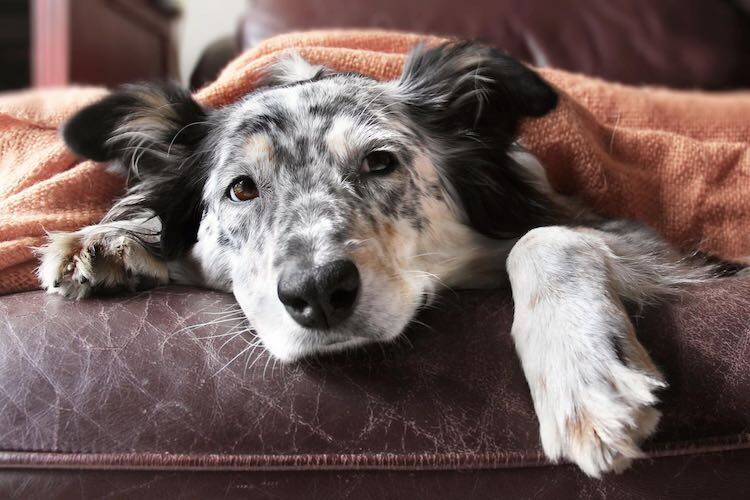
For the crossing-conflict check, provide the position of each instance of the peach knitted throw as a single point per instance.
(679, 161)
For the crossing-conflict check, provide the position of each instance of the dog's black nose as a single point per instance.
(320, 297)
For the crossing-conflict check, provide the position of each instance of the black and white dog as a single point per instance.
(333, 206)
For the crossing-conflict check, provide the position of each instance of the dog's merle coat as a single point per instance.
(333, 206)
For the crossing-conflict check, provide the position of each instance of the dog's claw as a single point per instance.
(76, 265)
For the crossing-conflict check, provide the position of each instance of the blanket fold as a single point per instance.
(678, 161)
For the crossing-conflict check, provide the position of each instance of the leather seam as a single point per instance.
(328, 461)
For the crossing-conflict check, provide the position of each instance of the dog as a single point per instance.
(334, 206)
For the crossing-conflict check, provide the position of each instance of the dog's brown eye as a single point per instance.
(379, 163)
(243, 189)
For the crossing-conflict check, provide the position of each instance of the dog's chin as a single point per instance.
(300, 343)
(332, 346)
(288, 342)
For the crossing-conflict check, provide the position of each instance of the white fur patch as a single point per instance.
(259, 148)
(293, 68)
(594, 408)
(340, 137)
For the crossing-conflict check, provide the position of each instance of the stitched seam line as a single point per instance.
(331, 461)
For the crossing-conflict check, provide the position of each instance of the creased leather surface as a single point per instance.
(124, 376)
(118, 375)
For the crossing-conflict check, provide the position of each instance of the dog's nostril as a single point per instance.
(297, 304)
(343, 299)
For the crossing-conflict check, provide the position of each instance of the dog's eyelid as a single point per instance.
(393, 148)
(384, 149)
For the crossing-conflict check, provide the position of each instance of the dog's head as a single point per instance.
(331, 204)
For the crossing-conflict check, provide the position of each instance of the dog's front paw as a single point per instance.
(598, 419)
(76, 264)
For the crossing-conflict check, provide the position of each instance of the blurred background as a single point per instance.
(676, 43)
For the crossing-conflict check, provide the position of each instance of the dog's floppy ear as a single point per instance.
(470, 99)
(470, 86)
(154, 131)
(151, 114)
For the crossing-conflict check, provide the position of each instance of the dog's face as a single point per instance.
(333, 205)
(323, 199)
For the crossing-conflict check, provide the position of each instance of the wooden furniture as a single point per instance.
(101, 42)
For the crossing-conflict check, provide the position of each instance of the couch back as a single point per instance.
(677, 43)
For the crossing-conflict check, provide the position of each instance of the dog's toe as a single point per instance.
(74, 265)
(602, 426)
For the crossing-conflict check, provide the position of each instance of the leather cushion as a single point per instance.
(132, 382)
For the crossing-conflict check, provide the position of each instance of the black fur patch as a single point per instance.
(168, 176)
(471, 98)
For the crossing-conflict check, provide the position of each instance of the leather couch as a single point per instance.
(160, 394)
(676, 43)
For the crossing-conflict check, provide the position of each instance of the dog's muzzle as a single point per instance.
(319, 297)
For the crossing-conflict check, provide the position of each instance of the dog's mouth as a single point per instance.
(337, 345)
(310, 344)
(327, 341)
(333, 343)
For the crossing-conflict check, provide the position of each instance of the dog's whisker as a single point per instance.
(243, 351)
(258, 356)
(423, 324)
(191, 328)
(268, 360)
(228, 341)
(225, 311)
(233, 331)
(217, 321)
(249, 357)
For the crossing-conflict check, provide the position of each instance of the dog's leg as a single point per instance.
(591, 381)
(104, 257)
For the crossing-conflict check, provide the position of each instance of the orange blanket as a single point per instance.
(679, 161)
